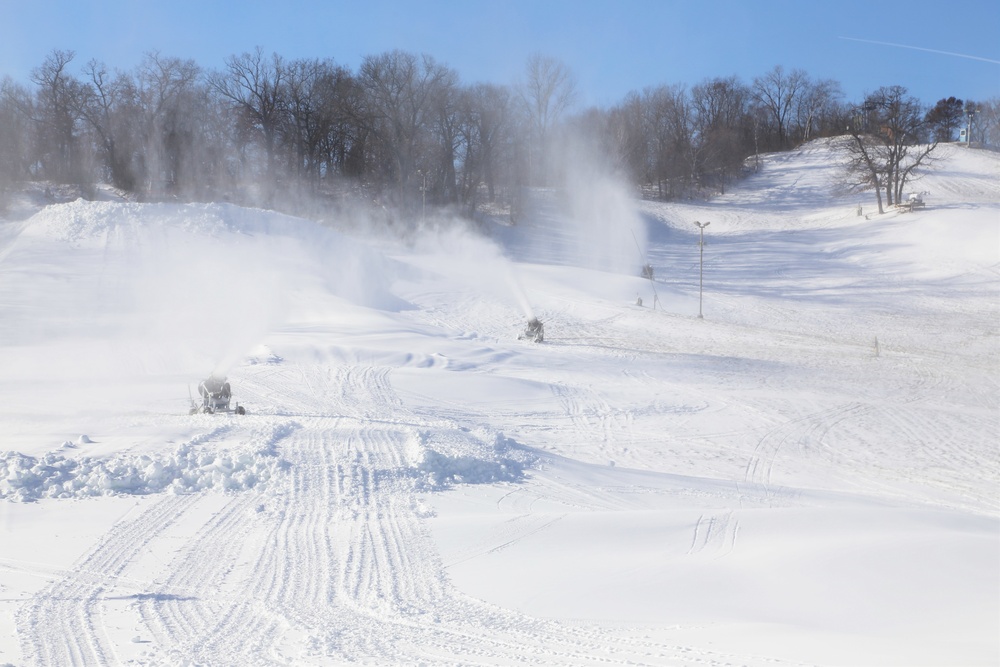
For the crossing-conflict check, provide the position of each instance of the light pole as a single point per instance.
(701, 262)
(970, 114)
(423, 194)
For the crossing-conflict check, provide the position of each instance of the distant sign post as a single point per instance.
(701, 262)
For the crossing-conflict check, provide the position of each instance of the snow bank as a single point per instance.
(191, 467)
(444, 458)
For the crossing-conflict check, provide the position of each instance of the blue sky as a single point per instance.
(935, 49)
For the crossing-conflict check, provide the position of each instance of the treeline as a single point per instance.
(402, 130)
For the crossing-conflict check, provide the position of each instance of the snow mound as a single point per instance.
(189, 468)
(228, 246)
(444, 458)
(85, 222)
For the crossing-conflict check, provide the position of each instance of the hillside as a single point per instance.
(807, 475)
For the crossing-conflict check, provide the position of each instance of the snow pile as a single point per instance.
(191, 467)
(444, 458)
(220, 247)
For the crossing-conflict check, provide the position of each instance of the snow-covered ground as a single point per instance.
(808, 475)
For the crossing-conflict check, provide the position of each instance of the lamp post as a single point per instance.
(423, 194)
(701, 262)
(970, 114)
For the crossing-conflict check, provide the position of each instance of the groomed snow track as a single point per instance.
(330, 565)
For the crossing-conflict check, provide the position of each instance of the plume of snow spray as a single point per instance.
(517, 289)
(479, 262)
(603, 220)
(209, 300)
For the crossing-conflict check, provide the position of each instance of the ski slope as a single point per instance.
(808, 475)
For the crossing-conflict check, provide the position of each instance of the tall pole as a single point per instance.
(423, 194)
(701, 263)
(970, 116)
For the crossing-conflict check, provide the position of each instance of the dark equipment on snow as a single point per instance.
(215, 396)
(535, 331)
(647, 273)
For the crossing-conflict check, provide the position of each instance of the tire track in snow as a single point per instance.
(595, 419)
(797, 432)
(388, 599)
(188, 605)
(719, 531)
(334, 563)
(62, 623)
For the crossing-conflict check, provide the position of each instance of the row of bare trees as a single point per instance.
(674, 139)
(401, 129)
(263, 128)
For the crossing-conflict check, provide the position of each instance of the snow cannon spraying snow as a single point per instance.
(534, 332)
(215, 397)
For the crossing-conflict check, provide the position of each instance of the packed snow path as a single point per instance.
(333, 564)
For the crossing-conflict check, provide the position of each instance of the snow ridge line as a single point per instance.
(189, 468)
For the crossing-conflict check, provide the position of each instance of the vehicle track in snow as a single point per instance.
(346, 572)
(716, 533)
(62, 624)
(797, 432)
(597, 423)
(333, 563)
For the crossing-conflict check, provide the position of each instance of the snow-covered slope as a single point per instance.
(808, 475)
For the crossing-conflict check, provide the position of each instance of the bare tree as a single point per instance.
(722, 129)
(987, 126)
(311, 92)
(817, 102)
(400, 89)
(778, 93)
(14, 137)
(253, 84)
(169, 92)
(56, 114)
(865, 165)
(669, 126)
(145, 124)
(489, 129)
(111, 108)
(548, 91)
(886, 145)
(447, 136)
(344, 142)
(624, 140)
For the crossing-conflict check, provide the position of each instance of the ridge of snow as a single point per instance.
(189, 468)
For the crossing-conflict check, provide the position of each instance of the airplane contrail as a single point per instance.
(920, 48)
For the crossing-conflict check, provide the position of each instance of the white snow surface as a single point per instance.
(808, 475)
